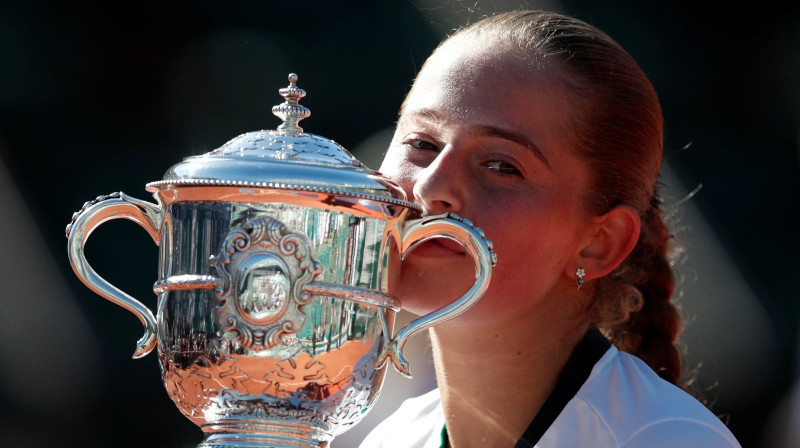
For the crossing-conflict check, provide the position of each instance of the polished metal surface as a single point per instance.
(275, 307)
(287, 159)
(290, 111)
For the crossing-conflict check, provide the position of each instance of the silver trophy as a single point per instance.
(279, 254)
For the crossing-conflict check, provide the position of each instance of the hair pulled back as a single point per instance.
(619, 134)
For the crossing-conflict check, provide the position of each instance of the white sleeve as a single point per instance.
(417, 423)
(684, 433)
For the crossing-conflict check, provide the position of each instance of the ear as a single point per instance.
(613, 236)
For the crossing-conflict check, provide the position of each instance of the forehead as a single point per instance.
(471, 80)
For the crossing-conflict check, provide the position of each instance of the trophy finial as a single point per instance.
(290, 111)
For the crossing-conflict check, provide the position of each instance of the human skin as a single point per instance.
(488, 136)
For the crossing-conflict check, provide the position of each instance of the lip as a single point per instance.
(438, 248)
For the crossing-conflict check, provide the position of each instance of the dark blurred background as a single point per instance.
(97, 97)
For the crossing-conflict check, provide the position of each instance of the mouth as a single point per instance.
(438, 248)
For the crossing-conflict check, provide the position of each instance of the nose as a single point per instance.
(438, 186)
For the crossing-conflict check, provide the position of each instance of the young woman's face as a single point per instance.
(483, 138)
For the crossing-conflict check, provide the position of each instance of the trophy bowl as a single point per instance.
(278, 258)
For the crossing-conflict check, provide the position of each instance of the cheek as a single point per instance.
(389, 161)
(400, 170)
(527, 273)
(530, 245)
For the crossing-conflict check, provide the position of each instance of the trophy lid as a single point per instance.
(286, 158)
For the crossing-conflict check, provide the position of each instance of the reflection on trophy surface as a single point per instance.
(262, 292)
(278, 257)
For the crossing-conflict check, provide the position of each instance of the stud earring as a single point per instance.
(580, 273)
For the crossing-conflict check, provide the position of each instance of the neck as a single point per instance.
(495, 378)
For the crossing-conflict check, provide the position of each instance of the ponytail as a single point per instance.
(633, 304)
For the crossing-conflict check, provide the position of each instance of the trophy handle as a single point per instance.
(94, 213)
(475, 242)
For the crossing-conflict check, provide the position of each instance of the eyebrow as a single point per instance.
(492, 131)
(488, 131)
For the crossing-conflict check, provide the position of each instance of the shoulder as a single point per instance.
(686, 432)
(626, 404)
(417, 423)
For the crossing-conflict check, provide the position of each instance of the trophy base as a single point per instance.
(260, 434)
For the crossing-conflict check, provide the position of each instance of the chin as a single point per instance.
(424, 288)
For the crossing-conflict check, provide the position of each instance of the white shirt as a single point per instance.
(623, 404)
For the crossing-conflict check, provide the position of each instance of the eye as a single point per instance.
(420, 144)
(503, 168)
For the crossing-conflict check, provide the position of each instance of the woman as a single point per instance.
(546, 134)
